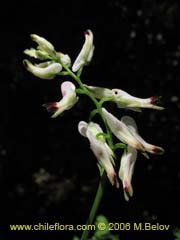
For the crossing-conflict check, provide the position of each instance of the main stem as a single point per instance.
(95, 205)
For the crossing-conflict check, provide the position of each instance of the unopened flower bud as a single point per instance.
(46, 70)
(44, 44)
(38, 54)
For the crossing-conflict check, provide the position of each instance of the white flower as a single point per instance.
(124, 99)
(45, 70)
(121, 131)
(126, 131)
(67, 102)
(86, 52)
(100, 148)
(44, 44)
(131, 124)
(126, 170)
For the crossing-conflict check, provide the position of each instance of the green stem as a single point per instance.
(95, 205)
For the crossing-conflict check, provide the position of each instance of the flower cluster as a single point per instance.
(125, 130)
(53, 60)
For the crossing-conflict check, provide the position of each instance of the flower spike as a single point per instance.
(67, 102)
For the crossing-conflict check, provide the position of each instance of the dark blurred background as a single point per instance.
(47, 171)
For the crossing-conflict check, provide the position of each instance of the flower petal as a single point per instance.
(51, 106)
(131, 124)
(67, 87)
(82, 128)
(129, 121)
(43, 71)
(67, 102)
(44, 44)
(121, 131)
(100, 149)
(125, 100)
(126, 170)
(86, 52)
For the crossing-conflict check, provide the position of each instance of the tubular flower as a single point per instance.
(100, 148)
(126, 170)
(44, 45)
(126, 131)
(86, 52)
(67, 102)
(131, 124)
(121, 131)
(125, 100)
(45, 70)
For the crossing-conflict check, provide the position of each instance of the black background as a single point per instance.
(47, 172)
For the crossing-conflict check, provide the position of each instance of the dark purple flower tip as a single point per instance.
(158, 150)
(155, 100)
(87, 32)
(51, 106)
